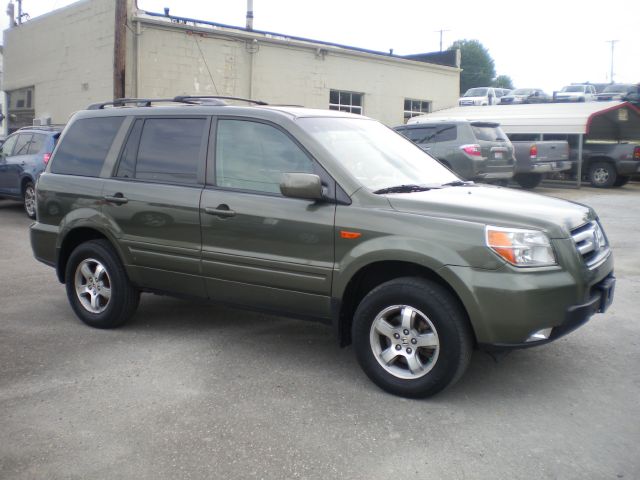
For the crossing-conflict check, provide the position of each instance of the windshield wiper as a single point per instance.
(404, 189)
(457, 183)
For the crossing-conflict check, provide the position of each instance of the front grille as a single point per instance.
(591, 243)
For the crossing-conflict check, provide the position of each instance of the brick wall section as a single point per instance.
(67, 55)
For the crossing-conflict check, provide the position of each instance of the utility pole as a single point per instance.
(119, 49)
(613, 43)
(441, 32)
(19, 12)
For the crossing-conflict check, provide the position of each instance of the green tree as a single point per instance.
(503, 81)
(478, 68)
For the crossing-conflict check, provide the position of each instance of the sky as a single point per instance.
(543, 44)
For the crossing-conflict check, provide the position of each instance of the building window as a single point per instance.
(413, 108)
(346, 101)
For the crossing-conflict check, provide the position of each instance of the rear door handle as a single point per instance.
(117, 199)
(222, 211)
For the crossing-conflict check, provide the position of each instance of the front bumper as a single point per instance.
(508, 306)
(575, 316)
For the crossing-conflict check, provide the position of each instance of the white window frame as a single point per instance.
(347, 107)
(414, 113)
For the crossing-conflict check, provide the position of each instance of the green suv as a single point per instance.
(315, 214)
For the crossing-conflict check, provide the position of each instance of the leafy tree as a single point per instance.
(478, 68)
(503, 81)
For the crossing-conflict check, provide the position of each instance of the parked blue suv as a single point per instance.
(23, 156)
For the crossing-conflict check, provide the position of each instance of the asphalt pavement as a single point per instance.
(195, 390)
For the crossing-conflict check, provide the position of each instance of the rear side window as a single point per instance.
(7, 147)
(85, 146)
(170, 150)
(37, 142)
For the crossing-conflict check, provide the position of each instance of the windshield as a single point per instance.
(522, 91)
(476, 92)
(617, 88)
(376, 155)
(573, 88)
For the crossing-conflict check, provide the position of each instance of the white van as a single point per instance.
(479, 96)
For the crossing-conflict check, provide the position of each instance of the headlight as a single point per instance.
(522, 248)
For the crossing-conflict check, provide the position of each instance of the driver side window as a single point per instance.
(253, 156)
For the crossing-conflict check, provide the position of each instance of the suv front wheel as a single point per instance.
(98, 288)
(411, 337)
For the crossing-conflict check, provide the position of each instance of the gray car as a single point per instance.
(473, 150)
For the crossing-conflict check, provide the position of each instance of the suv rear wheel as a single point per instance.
(411, 337)
(98, 288)
(29, 199)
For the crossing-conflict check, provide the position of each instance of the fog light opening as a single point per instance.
(539, 335)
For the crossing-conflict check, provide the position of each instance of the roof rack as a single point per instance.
(121, 102)
(54, 126)
(188, 99)
(197, 99)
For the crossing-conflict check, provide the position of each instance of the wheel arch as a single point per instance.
(75, 237)
(23, 182)
(370, 276)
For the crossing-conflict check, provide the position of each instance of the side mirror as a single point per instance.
(301, 185)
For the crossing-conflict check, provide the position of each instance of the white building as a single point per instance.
(63, 61)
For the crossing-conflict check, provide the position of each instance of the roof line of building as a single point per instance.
(187, 20)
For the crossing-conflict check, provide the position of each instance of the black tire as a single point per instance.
(123, 298)
(602, 175)
(528, 180)
(435, 313)
(29, 199)
(621, 181)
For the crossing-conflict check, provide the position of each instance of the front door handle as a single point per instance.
(117, 199)
(222, 211)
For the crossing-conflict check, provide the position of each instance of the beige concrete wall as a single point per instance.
(176, 59)
(67, 55)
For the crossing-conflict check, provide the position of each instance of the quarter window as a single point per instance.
(346, 101)
(253, 156)
(85, 146)
(414, 108)
(170, 150)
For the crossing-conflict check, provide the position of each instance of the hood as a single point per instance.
(497, 206)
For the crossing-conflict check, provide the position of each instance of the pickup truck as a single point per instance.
(536, 158)
(608, 164)
(604, 163)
